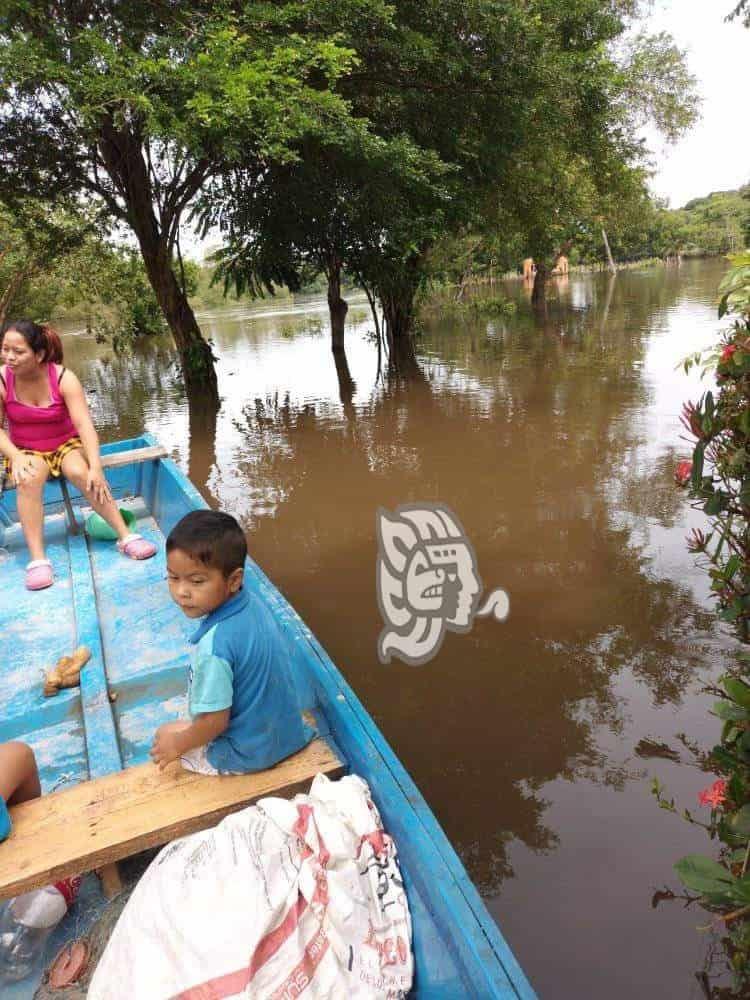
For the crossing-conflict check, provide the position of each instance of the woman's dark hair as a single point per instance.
(211, 537)
(40, 337)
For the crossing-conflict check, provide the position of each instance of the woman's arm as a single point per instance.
(71, 391)
(7, 448)
(78, 408)
(175, 738)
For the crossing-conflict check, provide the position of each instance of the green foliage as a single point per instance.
(491, 129)
(443, 302)
(36, 246)
(720, 486)
(142, 105)
(51, 262)
(109, 285)
(734, 290)
(716, 224)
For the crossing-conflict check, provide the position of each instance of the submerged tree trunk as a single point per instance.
(397, 301)
(202, 446)
(347, 385)
(337, 307)
(122, 153)
(540, 284)
(610, 259)
(543, 271)
(196, 356)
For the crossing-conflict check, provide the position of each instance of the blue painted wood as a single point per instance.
(36, 630)
(101, 739)
(123, 610)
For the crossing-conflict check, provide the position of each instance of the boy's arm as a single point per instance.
(175, 738)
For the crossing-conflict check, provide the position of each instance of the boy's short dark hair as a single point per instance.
(211, 537)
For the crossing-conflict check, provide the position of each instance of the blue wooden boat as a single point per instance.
(123, 612)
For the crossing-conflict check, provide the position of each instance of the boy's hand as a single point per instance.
(167, 745)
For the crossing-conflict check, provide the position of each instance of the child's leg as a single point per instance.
(30, 510)
(197, 761)
(19, 778)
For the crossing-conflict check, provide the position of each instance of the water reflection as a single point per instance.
(553, 438)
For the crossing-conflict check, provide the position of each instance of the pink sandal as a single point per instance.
(136, 547)
(39, 574)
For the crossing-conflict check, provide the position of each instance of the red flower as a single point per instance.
(683, 472)
(715, 795)
(726, 354)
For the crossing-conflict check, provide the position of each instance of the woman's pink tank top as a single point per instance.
(42, 428)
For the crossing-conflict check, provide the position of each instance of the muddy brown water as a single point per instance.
(554, 442)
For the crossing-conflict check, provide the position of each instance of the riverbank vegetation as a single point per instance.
(333, 139)
(719, 484)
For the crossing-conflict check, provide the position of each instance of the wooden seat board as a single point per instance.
(99, 822)
(115, 459)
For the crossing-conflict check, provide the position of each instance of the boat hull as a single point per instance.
(136, 680)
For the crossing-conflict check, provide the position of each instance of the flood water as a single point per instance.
(554, 443)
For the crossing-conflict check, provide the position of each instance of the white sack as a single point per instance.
(282, 899)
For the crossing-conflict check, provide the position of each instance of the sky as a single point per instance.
(715, 154)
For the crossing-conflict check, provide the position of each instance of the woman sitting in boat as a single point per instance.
(50, 433)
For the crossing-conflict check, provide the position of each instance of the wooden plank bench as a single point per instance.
(112, 460)
(93, 825)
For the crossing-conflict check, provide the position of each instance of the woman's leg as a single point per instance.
(30, 507)
(19, 778)
(75, 468)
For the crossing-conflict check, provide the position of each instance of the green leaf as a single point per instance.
(739, 822)
(698, 458)
(733, 564)
(714, 504)
(741, 890)
(703, 874)
(728, 710)
(729, 732)
(737, 690)
(722, 758)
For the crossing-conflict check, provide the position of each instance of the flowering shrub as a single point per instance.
(720, 473)
(719, 484)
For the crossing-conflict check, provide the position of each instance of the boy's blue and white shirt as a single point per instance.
(240, 661)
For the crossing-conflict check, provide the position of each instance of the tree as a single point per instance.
(535, 111)
(583, 167)
(334, 208)
(36, 246)
(139, 104)
(109, 283)
(741, 10)
(427, 84)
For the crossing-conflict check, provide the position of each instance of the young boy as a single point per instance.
(242, 703)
